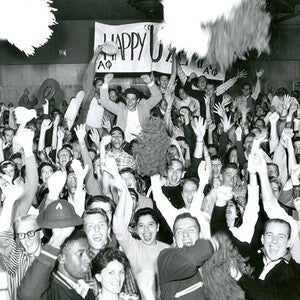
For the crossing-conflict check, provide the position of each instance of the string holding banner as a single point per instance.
(139, 51)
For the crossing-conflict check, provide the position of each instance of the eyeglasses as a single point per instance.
(30, 234)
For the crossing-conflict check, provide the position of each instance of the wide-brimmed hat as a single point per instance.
(59, 214)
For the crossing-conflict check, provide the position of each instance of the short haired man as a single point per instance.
(66, 249)
(276, 274)
(178, 267)
(132, 116)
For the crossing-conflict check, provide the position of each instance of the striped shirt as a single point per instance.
(14, 260)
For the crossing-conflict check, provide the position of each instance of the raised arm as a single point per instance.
(221, 89)
(156, 94)
(24, 138)
(37, 280)
(90, 181)
(46, 124)
(168, 211)
(257, 87)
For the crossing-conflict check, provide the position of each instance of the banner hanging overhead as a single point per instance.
(139, 51)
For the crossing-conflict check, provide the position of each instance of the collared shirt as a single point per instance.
(81, 287)
(123, 159)
(14, 260)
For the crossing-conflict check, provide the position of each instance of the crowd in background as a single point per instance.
(79, 221)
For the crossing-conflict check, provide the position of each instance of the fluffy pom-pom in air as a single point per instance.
(219, 30)
(26, 23)
(153, 146)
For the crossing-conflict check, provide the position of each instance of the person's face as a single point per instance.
(97, 165)
(173, 153)
(97, 230)
(188, 191)
(67, 136)
(201, 83)
(30, 244)
(113, 96)
(210, 89)
(75, 260)
(231, 212)
(272, 171)
(259, 111)
(8, 136)
(297, 147)
(255, 131)
(275, 240)
(259, 124)
(216, 167)
(129, 180)
(71, 183)
(248, 143)
(64, 157)
(117, 139)
(186, 232)
(275, 189)
(134, 148)
(147, 229)
(220, 128)
(131, 101)
(112, 277)
(18, 162)
(246, 90)
(182, 94)
(98, 86)
(233, 156)
(76, 151)
(164, 80)
(9, 170)
(46, 172)
(212, 151)
(296, 203)
(230, 177)
(174, 173)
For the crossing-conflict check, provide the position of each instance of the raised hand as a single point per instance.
(226, 123)
(219, 110)
(110, 166)
(241, 74)
(24, 138)
(204, 172)
(79, 171)
(287, 101)
(146, 78)
(199, 127)
(211, 126)
(60, 133)
(108, 78)
(257, 163)
(238, 133)
(80, 131)
(258, 140)
(260, 73)
(226, 100)
(46, 124)
(273, 118)
(95, 137)
(224, 194)
(286, 137)
(106, 123)
(106, 140)
(56, 183)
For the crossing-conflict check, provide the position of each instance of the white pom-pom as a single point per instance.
(186, 23)
(26, 23)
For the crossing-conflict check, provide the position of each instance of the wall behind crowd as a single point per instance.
(76, 37)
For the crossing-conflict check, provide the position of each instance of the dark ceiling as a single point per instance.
(144, 9)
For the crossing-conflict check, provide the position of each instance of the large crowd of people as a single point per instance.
(79, 220)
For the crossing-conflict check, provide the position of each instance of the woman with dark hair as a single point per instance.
(109, 267)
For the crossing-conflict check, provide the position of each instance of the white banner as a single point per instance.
(139, 52)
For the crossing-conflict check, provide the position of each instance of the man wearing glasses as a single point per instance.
(16, 255)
